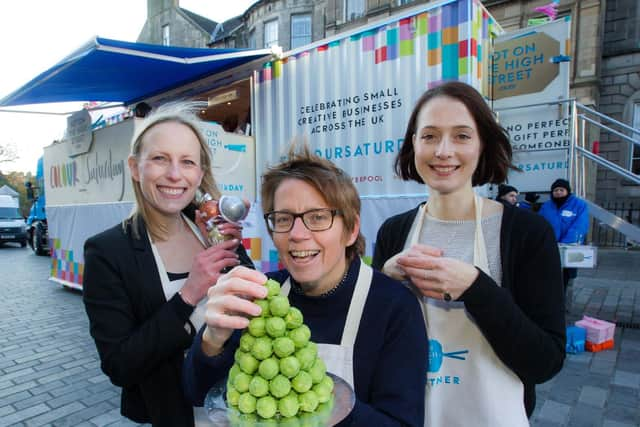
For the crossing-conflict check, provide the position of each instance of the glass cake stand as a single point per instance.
(342, 403)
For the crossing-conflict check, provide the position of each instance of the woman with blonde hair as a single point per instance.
(145, 280)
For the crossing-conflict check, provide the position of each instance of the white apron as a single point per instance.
(467, 384)
(197, 317)
(339, 358)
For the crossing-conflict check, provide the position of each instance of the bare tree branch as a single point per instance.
(8, 152)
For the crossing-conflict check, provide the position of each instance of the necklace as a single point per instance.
(299, 291)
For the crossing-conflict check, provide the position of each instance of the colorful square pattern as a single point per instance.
(456, 35)
(63, 265)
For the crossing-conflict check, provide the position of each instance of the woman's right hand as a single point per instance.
(206, 270)
(230, 305)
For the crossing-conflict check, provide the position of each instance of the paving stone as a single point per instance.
(106, 418)
(24, 414)
(67, 398)
(52, 415)
(60, 375)
(620, 395)
(593, 396)
(16, 388)
(83, 415)
(49, 363)
(609, 423)
(46, 387)
(555, 412)
(38, 375)
(605, 356)
(6, 410)
(586, 416)
(567, 396)
(99, 397)
(627, 379)
(14, 368)
(602, 367)
(13, 398)
(621, 414)
(32, 401)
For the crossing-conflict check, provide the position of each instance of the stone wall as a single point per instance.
(182, 30)
(619, 90)
(282, 10)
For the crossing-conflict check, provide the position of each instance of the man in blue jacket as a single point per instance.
(569, 217)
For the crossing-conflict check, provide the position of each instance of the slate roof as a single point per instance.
(206, 24)
(227, 28)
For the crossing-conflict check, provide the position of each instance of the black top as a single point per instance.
(139, 335)
(523, 319)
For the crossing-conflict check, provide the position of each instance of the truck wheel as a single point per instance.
(36, 241)
(23, 244)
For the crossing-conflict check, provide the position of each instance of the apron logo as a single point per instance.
(436, 355)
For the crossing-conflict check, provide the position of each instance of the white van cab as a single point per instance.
(12, 224)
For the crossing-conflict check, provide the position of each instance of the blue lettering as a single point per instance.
(388, 146)
(377, 147)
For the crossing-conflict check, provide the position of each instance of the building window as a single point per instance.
(354, 9)
(166, 39)
(300, 30)
(252, 40)
(403, 2)
(635, 150)
(271, 33)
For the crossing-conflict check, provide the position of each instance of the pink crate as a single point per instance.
(598, 331)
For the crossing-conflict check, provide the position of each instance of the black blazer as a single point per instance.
(140, 337)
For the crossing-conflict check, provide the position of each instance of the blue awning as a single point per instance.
(116, 71)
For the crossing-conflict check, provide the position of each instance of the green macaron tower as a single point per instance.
(278, 377)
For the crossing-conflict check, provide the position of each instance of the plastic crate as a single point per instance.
(576, 338)
(607, 345)
(598, 331)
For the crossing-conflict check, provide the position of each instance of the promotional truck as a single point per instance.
(349, 96)
(37, 230)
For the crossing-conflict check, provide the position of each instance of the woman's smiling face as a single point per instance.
(168, 167)
(446, 144)
(315, 259)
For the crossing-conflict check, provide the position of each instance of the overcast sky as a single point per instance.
(36, 34)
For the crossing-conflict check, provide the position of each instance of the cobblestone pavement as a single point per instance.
(600, 389)
(50, 373)
(49, 369)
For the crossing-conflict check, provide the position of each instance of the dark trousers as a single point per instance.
(568, 274)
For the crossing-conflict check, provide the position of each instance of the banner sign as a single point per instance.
(78, 132)
(233, 158)
(352, 97)
(101, 175)
(531, 66)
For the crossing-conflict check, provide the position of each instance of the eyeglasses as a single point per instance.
(314, 220)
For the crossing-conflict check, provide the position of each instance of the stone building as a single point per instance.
(605, 57)
(170, 25)
(620, 95)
